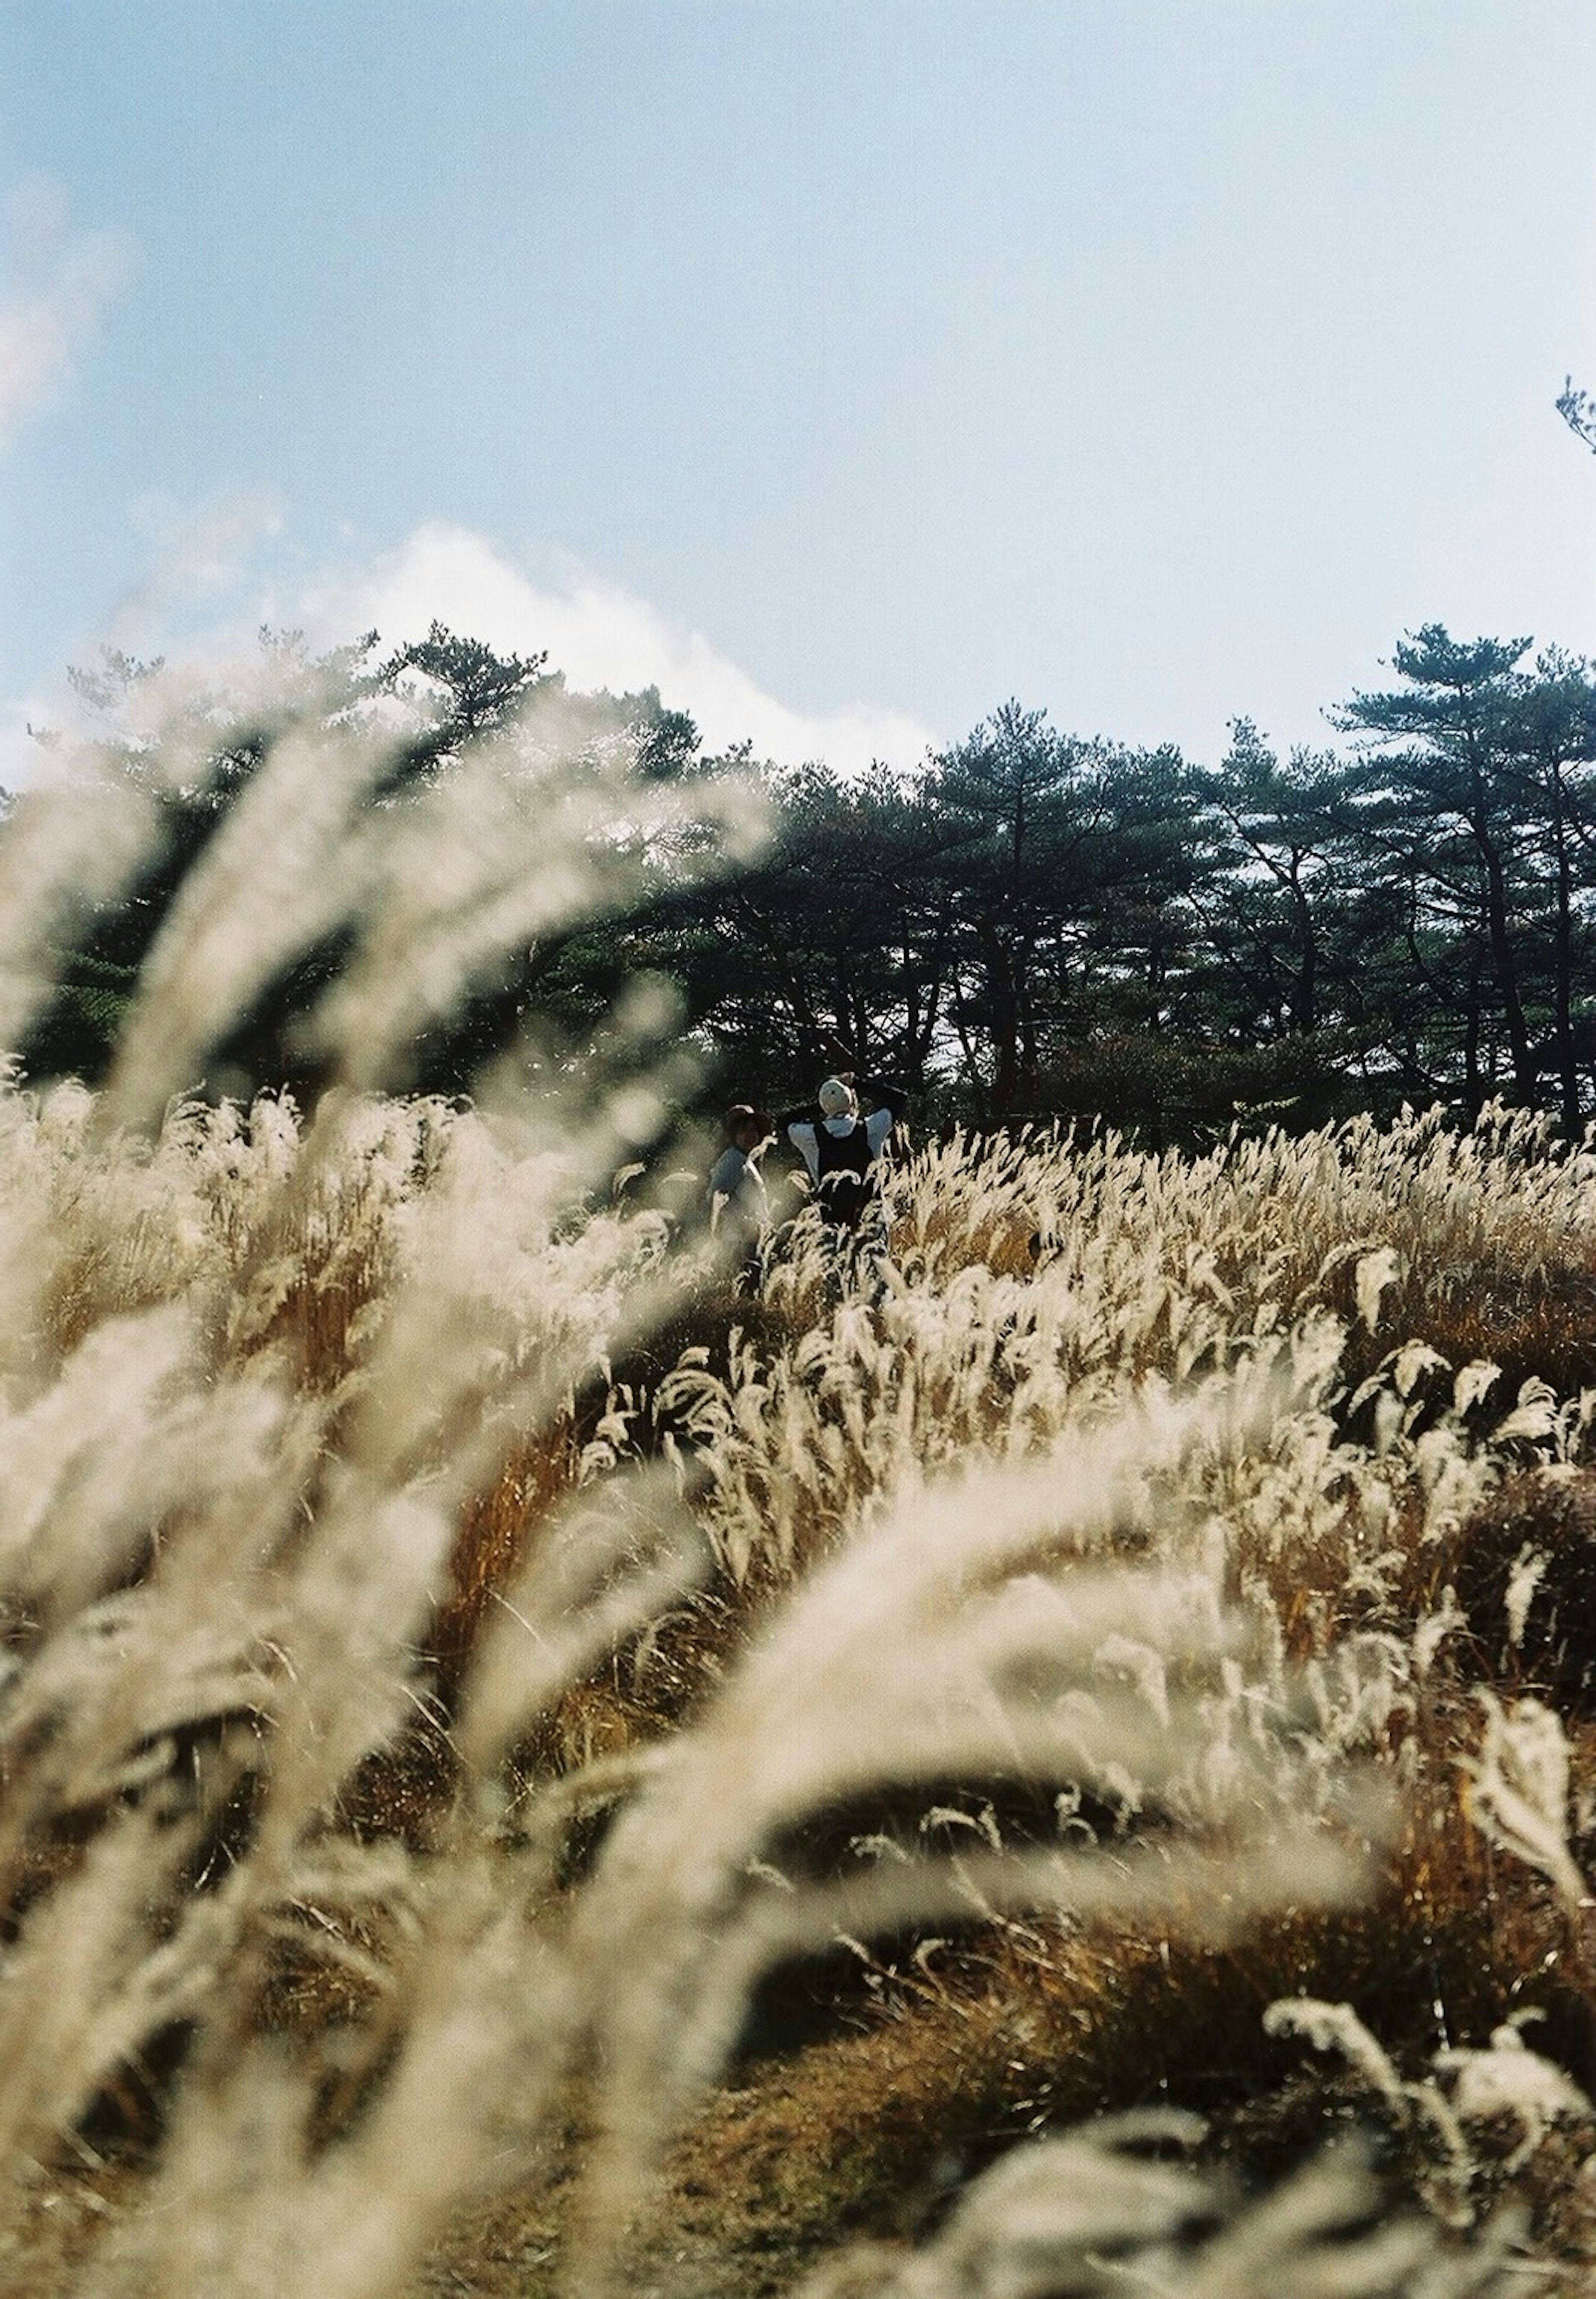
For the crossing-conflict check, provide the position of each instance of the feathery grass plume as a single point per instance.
(1529, 1570)
(253, 1376)
(798, 1442)
(74, 840)
(1150, 1522)
(1518, 1792)
(262, 1648)
(81, 836)
(523, 841)
(1462, 2091)
(983, 1633)
(127, 1725)
(287, 865)
(536, 830)
(1336, 2027)
(458, 2071)
(1452, 1224)
(484, 1287)
(608, 1565)
(1095, 2213)
(457, 2084)
(1508, 2080)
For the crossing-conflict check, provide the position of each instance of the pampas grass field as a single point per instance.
(1064, 1763)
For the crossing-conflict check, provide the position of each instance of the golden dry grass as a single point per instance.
(499, 1732)
(1360, 1507)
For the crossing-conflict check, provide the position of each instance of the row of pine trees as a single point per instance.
(1033, 924)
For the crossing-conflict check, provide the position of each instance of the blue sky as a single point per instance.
(846, 368)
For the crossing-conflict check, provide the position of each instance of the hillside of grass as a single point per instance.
(526, 1768)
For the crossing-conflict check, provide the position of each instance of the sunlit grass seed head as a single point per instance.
(1140, 1484)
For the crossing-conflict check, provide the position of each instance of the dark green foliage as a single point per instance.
(449, 695)
(1578, 412)
(1034, 925)
(1476, 819)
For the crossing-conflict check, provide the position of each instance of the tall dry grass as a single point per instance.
(1115, 1576)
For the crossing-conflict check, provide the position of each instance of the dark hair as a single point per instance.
(742, 1114)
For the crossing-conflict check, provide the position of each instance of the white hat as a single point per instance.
(836, 1097)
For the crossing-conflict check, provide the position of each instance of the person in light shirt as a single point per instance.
(739, 1204)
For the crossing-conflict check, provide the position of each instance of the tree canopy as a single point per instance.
(1031, 925)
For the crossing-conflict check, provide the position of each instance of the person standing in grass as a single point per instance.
(739, 1203)
(842, 1144)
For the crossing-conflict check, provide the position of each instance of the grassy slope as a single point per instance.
(873, 2087)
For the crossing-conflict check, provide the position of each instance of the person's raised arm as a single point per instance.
(882, 1093)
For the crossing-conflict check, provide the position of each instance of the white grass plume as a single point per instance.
(973, 1634)
(1094, 2213)
(287, 866)
(1038, 1522)
(504, 853)
(1517, 1792)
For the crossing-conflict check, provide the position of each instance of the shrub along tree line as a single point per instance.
(1031, 925)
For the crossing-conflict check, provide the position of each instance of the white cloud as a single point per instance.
(600, 636)
(198, 553)
(59, 284)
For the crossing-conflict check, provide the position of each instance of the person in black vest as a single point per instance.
(841, 1146)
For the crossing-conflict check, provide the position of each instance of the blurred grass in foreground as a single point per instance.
(474, 1691)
